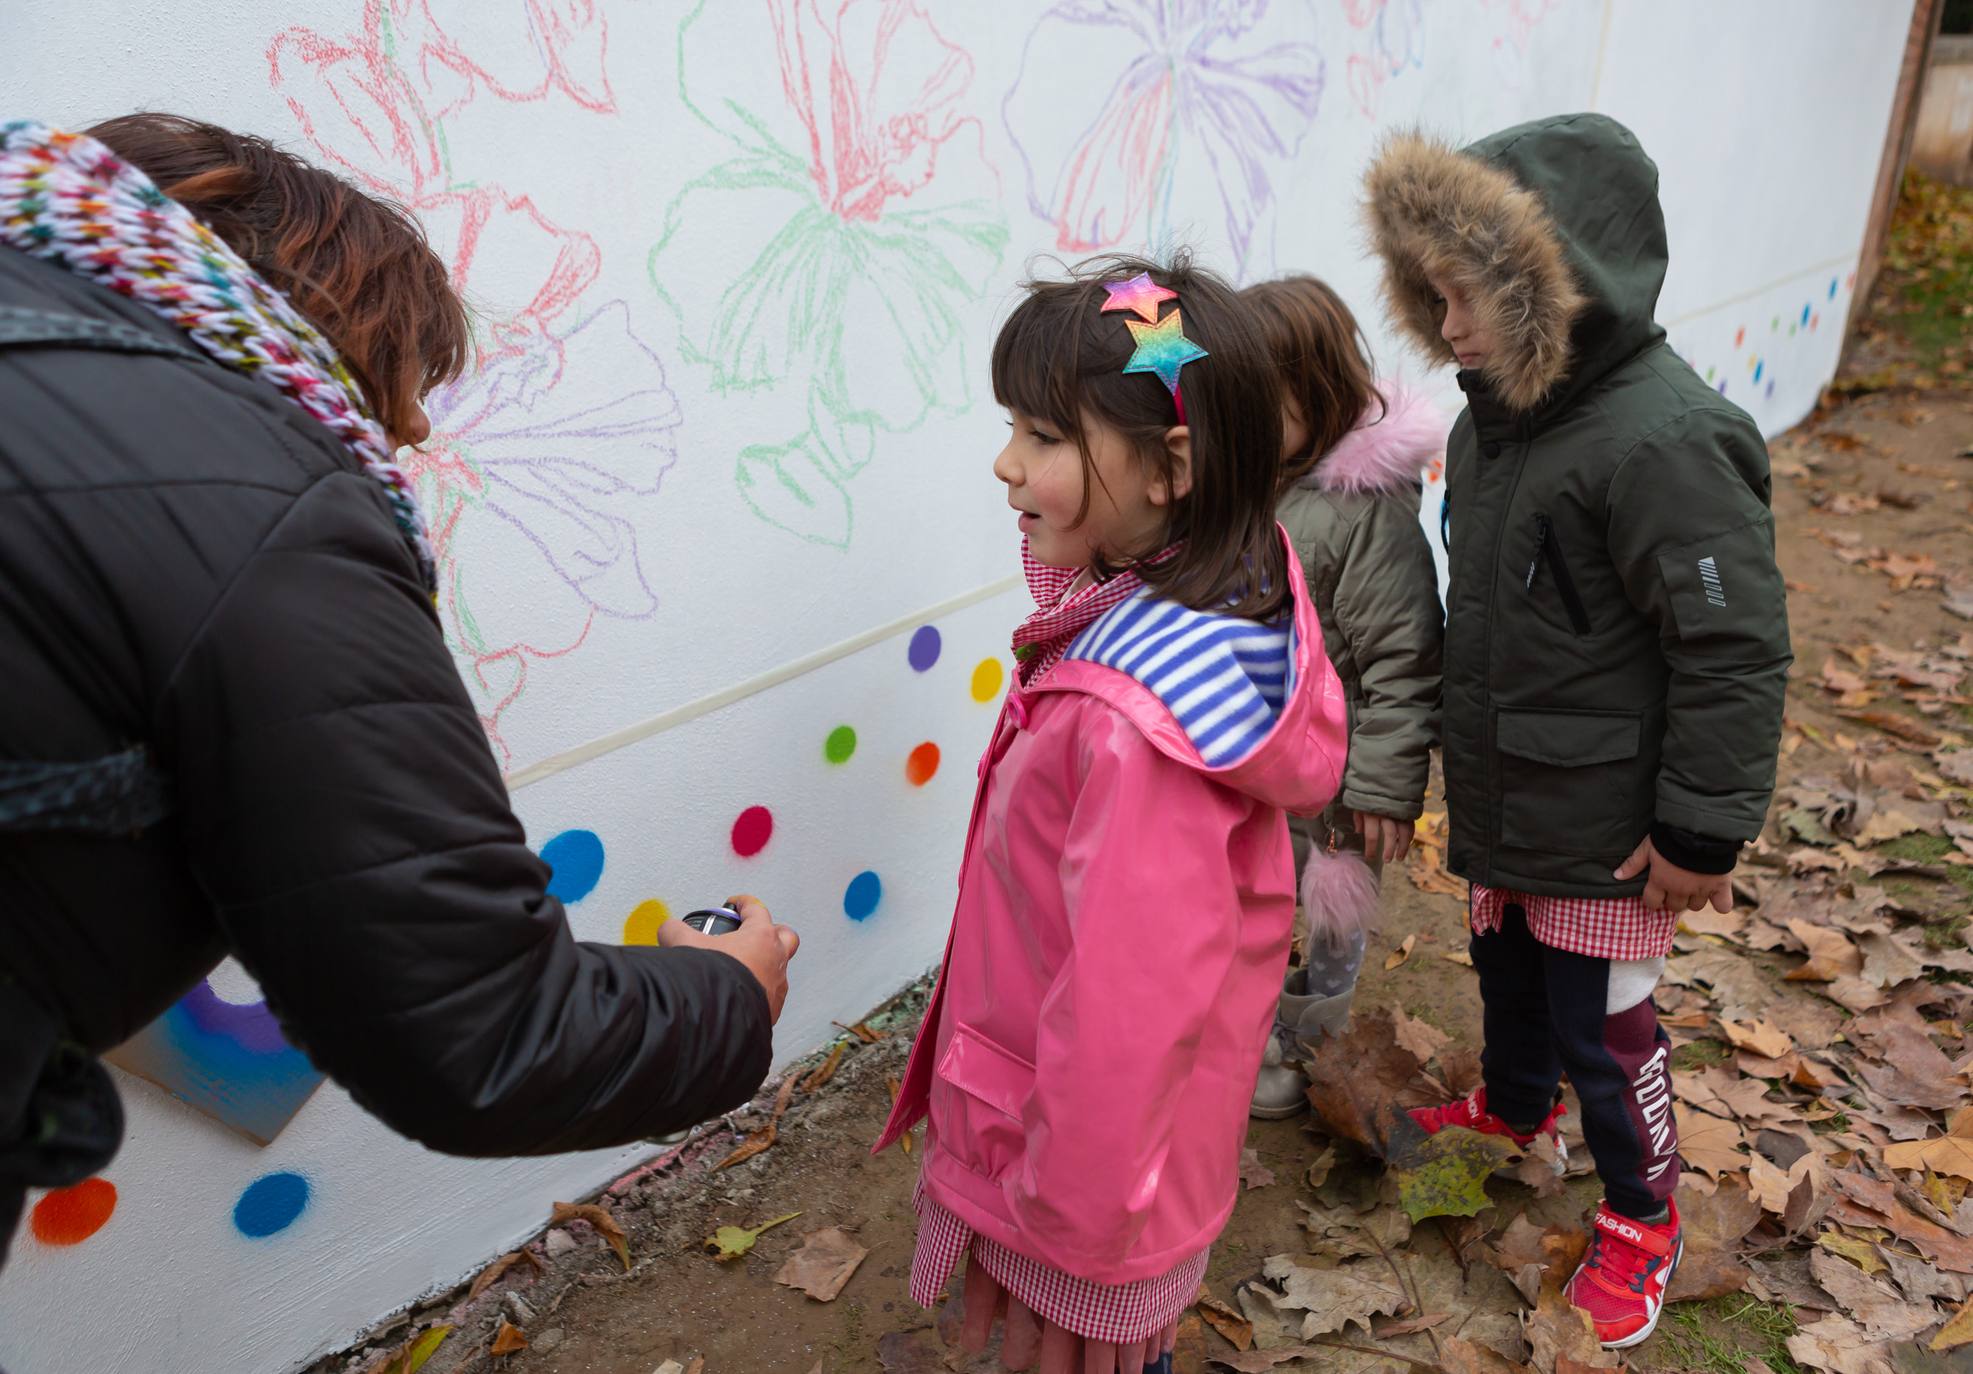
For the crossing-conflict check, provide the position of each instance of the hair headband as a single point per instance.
(1161, 344)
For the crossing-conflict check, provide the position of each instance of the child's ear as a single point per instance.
(1176, 486)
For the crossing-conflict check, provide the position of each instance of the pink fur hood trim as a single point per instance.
(1387, 453)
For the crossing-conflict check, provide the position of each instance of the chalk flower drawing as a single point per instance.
(546, 451)
(839, 256)
(1129, 112)
(1396, 33)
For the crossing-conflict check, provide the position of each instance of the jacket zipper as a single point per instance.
(1548, 549)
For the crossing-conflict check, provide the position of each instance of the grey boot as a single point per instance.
(1302, 1019)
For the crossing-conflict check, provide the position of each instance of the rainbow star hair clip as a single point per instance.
(1161, 344)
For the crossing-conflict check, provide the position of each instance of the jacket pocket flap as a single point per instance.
(1568, 739)
(975, 1065)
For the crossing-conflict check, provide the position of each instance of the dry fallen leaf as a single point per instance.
(598, 1217)
(1958, 1331)
(1253, 1173)
(491, 1274)
(1758, 1035)
(1561, 1336)
(827, 1069)
(1333, 1298)
(1831, 955)
(1838, 1345)
(823, 1265)
(508, 1339)
(765, 1137)
(1239, 1332)
(1356, 1079)
(1709, 1144)
(1951, 1153)
(1860, 1252)
(1468, 1357)
(1877, 1307)
(1401, 953)
(1421, 1037)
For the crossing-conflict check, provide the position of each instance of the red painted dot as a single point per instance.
(1740, 336)
(922, 765)
(752, 831)
(69, 1216)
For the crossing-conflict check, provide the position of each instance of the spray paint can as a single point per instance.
(718, 920)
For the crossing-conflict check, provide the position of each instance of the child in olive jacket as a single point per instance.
(1616, 641)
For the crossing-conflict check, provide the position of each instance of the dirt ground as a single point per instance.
(1872, 502)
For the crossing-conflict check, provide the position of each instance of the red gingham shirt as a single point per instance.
(1120, 1314)
(1064, 610)
(1601, 927)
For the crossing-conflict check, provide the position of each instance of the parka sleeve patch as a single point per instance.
(1725, 591)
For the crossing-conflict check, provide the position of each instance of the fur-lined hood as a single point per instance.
(1552, 230)
(1388, 449)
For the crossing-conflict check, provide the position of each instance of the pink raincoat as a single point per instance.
(1115, 960)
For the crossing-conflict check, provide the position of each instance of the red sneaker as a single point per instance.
(1471, 1112)
(1623, 1278)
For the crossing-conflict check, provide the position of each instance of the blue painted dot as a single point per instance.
(1722, 386)
(1805, 312)
(575, 861)
(1770, 388)
(1759, 368)
(271, 1203)
(925, 647)
(865, 892)
(1832, 288)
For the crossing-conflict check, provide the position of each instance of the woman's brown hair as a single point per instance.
(356, 267)
(1322, 361)
(1060, 359)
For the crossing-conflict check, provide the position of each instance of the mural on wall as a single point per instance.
(860, 209)
(737, 265)
(540, 456)
(1134, 118)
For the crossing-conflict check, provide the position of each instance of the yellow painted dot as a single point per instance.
(640, 927)
(987, 679)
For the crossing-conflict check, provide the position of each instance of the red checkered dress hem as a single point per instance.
(1117, 1313)
(1600, 927)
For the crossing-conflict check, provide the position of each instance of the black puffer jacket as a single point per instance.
(189, 562)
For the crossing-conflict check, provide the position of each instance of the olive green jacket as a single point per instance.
(1617, 630)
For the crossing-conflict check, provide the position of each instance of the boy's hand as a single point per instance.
(1383, 838)
(1671, 888)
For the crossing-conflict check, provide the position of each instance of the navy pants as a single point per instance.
(1546, 1014)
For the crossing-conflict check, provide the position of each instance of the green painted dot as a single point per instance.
(1709, 374)
(841, 744)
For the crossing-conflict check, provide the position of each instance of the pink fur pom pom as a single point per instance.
(1339, 895)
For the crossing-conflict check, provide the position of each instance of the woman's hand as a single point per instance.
(1383, 838)
(1029, 1342)
(762, 946)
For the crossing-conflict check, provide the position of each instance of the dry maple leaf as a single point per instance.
(1878, 1308)
(1253, 1173)
(1760, 1036)
(507, 1340)
(823, 1265)
(1238, 1331)
(1422, 1038)
(1956, 1332)
(1708, 1143)
(1951, 1153)
(598, 1217)
(1355, 1080)
(1333, 1298)
(1837, 1345)
(1831, 955)
(1558, 1332)
(1457, 1356)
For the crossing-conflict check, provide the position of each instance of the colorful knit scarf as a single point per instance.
(69, 199)
(1064, 610)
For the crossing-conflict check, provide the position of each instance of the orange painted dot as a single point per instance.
(69, 1216)
(640, 927)
(923, 763)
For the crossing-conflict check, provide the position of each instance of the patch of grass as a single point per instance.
(1917, 848)
(1929, 271)
(1700, 1053)
(1721, 1335)
(1947, 934)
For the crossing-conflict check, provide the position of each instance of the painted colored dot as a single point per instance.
(1709, 373)
(1759, 368)
(575, 861)
(987, 679)
(923, 764)
(1774, 324)
(1770, 388)
(1832, 288)
(1805, 312)
(271, 1203)
(1740, 336)
(640, 927)
(752, 831)
(925, 647)
(1722, 386)
(864, 894)
(1791, 330)
(1815, 321)
(69, 1216)
(840, 744)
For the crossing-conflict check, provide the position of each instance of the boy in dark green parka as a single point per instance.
(1616, 642)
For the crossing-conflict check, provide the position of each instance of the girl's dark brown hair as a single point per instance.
(356, 267)
(1322, 361)
(1060, 359)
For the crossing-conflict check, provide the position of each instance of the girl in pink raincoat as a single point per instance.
(1128, 885)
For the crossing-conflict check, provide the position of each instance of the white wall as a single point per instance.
(661, 495)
